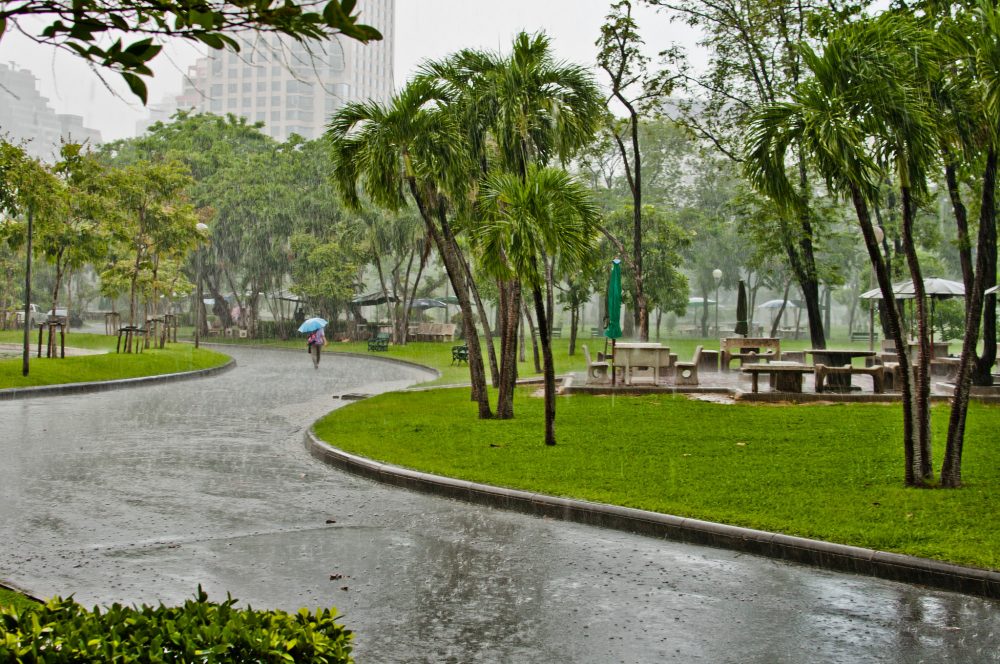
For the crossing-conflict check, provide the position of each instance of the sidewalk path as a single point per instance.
(139, 495)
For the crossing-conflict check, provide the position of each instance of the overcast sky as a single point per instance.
(424, 29)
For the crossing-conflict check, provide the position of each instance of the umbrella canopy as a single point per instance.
(776, 304)
(312, 324)
(372, 299)
(613, 328)
(699, 301)
(991, 291)
(427, 303)
(934, 287)
(742, 324)
(448, 299)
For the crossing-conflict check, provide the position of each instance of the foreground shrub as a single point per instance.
(199, 631)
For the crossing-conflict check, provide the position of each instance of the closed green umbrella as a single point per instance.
(613, 314)
(742, 324)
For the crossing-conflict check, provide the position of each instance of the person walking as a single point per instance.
(315, 343)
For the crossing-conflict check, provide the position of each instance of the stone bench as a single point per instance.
(786, 377)
(749, 350)
(876, 372)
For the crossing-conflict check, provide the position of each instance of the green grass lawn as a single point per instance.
(830, 472)
(110, 366)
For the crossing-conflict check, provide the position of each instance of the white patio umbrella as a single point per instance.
(990, 291)
(776, 304)
(934, 287)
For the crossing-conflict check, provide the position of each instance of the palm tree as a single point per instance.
(525, 223)
(517, 110)
(862, 107)
(410, 145)
(970, 93)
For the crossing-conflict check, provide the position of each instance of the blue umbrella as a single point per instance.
(312, 324)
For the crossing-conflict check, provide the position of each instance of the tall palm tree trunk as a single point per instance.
(549, 367)
(922, 365)
(484, 320)
(510, 306)
(891, 316)
(446, 249)
(951, 469)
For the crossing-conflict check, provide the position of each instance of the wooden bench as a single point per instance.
(555, 333)
(596, 333)
(786, 377)
(860, 335)
(748, 349)
(876, 372)
(379, 342)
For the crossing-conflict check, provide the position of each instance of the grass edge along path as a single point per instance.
(174, 358)
(826, 472)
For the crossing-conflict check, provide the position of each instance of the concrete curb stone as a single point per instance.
(107, 385)
(817, 553)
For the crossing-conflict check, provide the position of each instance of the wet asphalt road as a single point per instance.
(139, 495)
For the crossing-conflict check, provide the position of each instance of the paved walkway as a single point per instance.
(139, 495)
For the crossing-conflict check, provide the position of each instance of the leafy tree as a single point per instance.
(158, 225)
(80, 234)
(95, 30)
(755, 61)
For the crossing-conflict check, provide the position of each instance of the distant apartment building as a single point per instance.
(292, 87)
(26, 116)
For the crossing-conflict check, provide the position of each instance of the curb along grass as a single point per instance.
(831, 473)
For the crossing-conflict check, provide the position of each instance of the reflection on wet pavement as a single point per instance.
(139, 495)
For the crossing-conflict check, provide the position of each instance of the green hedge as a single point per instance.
(199, 631)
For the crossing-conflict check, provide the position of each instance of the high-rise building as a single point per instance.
(294, 87)
(26, 116)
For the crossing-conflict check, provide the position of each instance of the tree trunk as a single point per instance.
(951, 469)
(534, 337)
(922, 403)
(447, 248)
(491, 351)
(574, 322)
(981, 370)
(549, 371)
(890, 313)
(510, 306)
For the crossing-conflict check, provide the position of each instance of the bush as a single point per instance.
(199, 631)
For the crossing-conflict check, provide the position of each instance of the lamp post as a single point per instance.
(717, 275)
(199, 304)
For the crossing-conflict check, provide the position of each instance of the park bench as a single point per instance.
(597, 372)
(860, 335)
(876, 372)
(686, 373)
(785, 377)
(459, 354)
(596, 333)
(749, 350)
(555, 333)
(379, 342)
